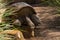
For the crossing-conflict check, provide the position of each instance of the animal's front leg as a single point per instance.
(37, 24)
(25, 26)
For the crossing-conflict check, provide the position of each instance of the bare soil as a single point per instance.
(47, 17)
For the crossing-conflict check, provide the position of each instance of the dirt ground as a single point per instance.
(47, 16)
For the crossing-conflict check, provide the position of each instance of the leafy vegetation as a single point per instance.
(4, 36)
(7, 37)
(51, 2)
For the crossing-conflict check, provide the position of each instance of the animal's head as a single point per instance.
(10, 18)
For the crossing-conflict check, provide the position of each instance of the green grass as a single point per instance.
(51, 2)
